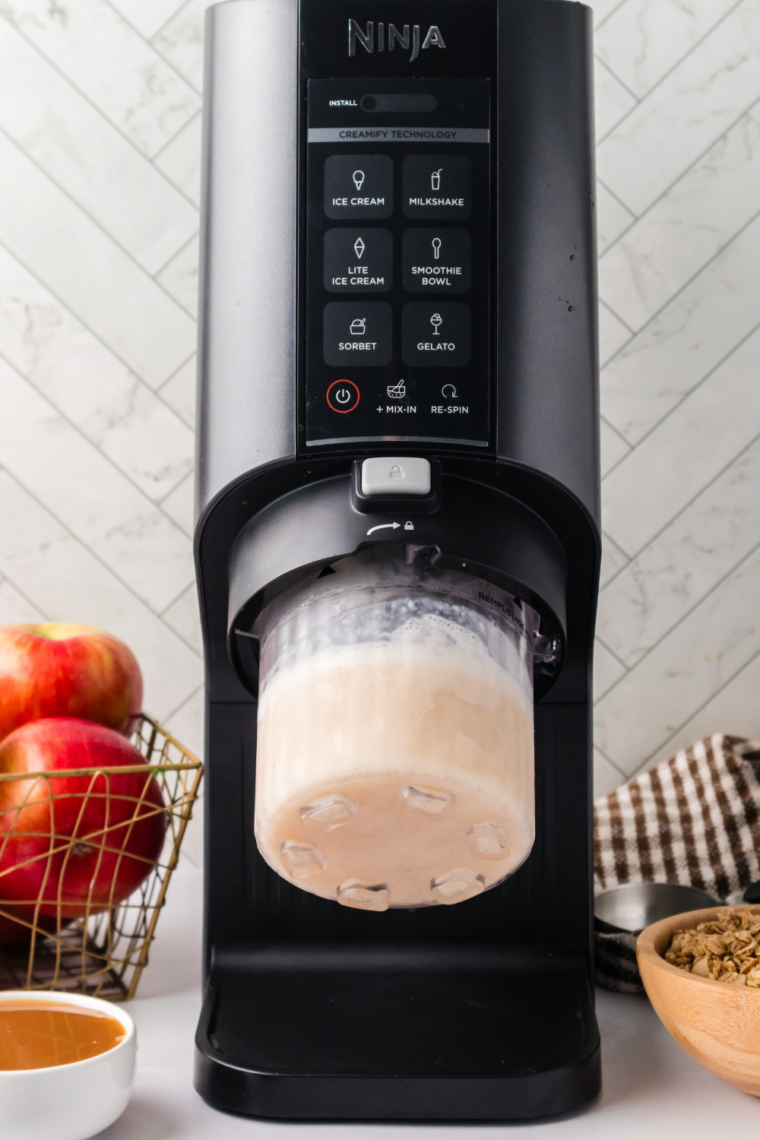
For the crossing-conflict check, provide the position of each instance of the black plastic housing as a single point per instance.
(481, 1011)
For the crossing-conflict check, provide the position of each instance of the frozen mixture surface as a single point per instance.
(389, 774)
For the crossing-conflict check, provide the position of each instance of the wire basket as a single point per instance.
(104, 953)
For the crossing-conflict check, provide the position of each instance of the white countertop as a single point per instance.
(651, 1087)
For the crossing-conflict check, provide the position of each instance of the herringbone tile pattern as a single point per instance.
(99, 161)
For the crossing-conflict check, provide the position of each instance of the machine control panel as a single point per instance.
(397, 272)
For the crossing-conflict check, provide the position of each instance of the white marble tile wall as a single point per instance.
(99, 192)
(99, 153)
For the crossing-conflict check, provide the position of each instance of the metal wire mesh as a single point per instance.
(104, 951)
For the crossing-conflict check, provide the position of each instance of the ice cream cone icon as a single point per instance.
(358, 177)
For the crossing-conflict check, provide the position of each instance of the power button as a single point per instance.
(343, 395)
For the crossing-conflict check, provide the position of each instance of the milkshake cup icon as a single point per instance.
(436, 321)
(358, 177)
(435, 179)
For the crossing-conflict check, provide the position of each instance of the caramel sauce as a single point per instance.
(41, 1034)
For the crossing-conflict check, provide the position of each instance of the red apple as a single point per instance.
(118, 820)
(67, 670)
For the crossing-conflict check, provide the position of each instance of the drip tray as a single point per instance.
(412, 1032)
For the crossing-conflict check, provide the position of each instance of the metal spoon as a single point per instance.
(631, 908)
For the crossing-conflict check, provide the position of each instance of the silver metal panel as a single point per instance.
(248, 293)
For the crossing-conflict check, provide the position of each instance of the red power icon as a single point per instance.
(343, 396)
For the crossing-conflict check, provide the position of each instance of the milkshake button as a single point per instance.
(437, 186)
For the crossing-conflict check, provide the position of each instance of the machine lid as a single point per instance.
(476, 530)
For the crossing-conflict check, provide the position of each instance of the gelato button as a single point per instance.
(435, 335)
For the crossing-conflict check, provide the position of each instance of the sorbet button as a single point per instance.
(357, 334)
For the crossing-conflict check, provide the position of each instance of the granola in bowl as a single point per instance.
(726, 949)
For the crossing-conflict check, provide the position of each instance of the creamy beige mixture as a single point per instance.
(395, 774)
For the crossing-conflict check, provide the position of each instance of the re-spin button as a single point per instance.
(343, 395)
(359, 186)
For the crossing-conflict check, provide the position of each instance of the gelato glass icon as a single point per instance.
(436, 321)
(358, 177)
(435, 179)
(359, 247)
(358, 327)
(436, 248)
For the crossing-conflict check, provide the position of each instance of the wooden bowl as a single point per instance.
(716, 1022)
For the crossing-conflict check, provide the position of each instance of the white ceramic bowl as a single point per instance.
(68, 1102)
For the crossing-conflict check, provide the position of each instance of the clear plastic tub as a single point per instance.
(395, 734)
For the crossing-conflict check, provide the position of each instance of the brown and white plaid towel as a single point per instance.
(695, 820)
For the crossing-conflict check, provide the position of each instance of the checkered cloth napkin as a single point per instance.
(694, 820)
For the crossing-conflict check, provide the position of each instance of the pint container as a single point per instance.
(395, 733)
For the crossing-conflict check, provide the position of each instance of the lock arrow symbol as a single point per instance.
(384, 526)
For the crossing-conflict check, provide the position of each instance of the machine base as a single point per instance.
(393, 1034)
